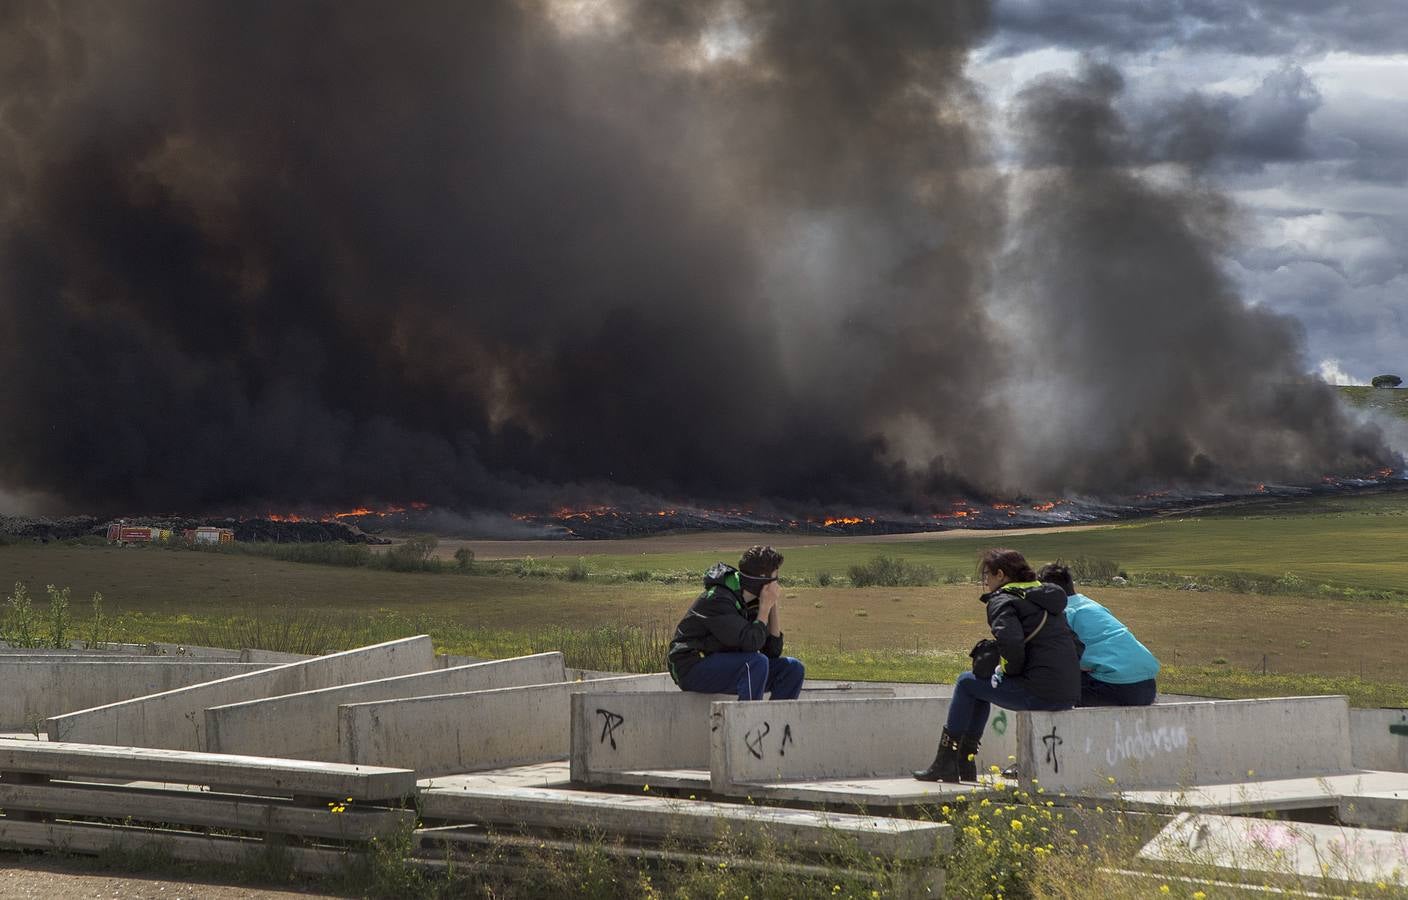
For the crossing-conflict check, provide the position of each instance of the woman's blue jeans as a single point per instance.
(973, 698)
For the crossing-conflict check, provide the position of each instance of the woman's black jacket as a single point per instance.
(1049, 664)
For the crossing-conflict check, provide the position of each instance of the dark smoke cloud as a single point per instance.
(1146, 351)
(468, 252)
(502, 254)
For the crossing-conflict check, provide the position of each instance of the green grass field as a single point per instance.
(1390, 400)
(1324, 616)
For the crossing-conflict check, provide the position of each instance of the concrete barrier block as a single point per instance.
(837, 739)
(1378, 739)
(822, 739)
(465, 732)
(304, 725)
(614, 733)
(1184, 744)
(175, 719)
(39, 687)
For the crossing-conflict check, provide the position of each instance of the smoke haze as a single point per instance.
(506, 254)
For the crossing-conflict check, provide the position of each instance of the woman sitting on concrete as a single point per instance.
(1115, 669)
(1040, 666)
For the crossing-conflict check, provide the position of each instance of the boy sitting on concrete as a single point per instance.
(730, 640)
(1116, 670)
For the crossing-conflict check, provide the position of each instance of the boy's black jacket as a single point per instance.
(719, 621)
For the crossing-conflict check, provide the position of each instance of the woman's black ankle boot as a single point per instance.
(945, 766)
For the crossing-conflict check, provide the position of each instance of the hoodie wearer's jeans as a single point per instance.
(1094, 692)
(748, 674)
(973, 698)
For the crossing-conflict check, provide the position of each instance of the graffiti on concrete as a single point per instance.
(610, 721)
(1144, 744)
(1052, 741)
(786, 739)
(999, 723)
(753, 740)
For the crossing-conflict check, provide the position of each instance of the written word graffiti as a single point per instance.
(1144, 744)
(786, 739)
(753, 740)
(1052, 741)
(610, 721)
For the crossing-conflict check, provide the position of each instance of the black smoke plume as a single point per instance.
(505, 254)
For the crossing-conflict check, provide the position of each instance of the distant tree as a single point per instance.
(1386, 381)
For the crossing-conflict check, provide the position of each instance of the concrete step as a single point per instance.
(659, 818)
(288, 777)
(202, 808)
(92, 839)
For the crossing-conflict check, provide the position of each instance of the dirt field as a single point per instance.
(715, 542)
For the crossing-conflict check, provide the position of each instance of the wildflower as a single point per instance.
(723, 865)
(1099, 809)
(1016, 824)
(1199, 895)
(691, 796)
(944, 809)
(995, 770)
(1110, 778)
(1163, 889)
(645, 787)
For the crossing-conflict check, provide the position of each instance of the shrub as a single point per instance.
(464, 559)
(1093, 568)
(21, 621)
(640, 575)
(823, 578)
(1386, 381)
(577, 571)
(415, 555)
(889, 571)
(60, 618)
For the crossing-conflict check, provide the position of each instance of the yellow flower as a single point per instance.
(1110, 778)
(1016, 824)
(645, 787)
(1199, 895)
(1163, 889)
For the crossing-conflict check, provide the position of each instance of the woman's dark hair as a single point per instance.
(1059, 575)
(759, 560)
(1008, 562)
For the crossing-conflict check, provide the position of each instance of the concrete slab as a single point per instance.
(832, 740)
(1283, 848)
(660, 818)
(1378, 739)
(304, 725)
(462, 732)
(202, 848)
(1376, 809)
(250, 773)
(1322, 792)
(553, 774)
(39, 687)
(865, 793)
(1198, 743)
(175, 719)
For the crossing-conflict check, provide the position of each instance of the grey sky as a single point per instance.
(1298, 110)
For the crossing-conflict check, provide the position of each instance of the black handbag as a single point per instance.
(985, 658)
(986, 654)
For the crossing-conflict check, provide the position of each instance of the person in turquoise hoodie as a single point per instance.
(1116, 670)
